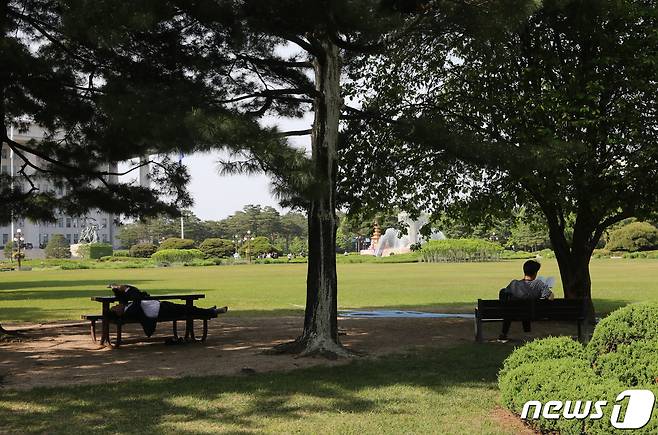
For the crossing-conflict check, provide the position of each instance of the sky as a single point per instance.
(216, 197)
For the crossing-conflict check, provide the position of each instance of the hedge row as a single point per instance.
(460, 250)
(177, 255)
(622, 354)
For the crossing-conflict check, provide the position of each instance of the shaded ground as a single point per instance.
(62, 356)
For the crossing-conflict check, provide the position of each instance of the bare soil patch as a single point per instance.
(60, 355)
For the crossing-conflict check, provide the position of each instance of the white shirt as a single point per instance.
(151, 308)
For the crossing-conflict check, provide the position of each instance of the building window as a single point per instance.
(60, 222)
(75, 238)
(104, 238)
(68, 223)
(104, 223)
(5, 239)
(68, 238)
(75, 223)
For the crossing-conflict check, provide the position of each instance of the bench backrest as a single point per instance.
(558, 309)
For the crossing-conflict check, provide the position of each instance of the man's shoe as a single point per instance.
(503, 338)
(220, 310)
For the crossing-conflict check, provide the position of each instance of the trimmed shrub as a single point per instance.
(121, 253)
(217, 248)
(624, 326)
(176, 243)
(636, 236)
(143, 250)
(562, 379)
(94, 251)
(58, 247)
(543, 350)
(177, 255)
(632, 364)
(460, 250)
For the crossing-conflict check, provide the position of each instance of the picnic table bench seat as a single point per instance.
(495, 310)
(107, 317)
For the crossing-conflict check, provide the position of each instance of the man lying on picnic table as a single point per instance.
(148, 312)
(525, 289)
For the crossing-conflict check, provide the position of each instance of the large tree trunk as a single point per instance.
(573, 261)
(320, 335)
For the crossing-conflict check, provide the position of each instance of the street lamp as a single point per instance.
(18, 244)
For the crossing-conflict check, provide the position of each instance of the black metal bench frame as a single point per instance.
(494, 310)
(108, 317)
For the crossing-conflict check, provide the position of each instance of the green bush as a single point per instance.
(546, 253)
(121, 253)
(143, 250)
(176, 243)
(632, 364)
(8, 249)
(624, 326)
(259, 246)
(177, 255)
(94, 251)
(636, 236)
(58, 247)
(516, 255)
(217, 248)
(543, 350)
(460, 250)
(622, 354)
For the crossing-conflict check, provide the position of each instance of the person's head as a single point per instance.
(530, 268)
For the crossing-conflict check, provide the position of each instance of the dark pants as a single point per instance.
(169, 310)
(508, 323)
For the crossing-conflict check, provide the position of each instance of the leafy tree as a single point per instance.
(636, 236)
(298, 246)
(217, 248)
(57, 247)
(556, 112)
(259, 246)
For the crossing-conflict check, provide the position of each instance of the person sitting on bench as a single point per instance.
(148, 312)
(524, 289)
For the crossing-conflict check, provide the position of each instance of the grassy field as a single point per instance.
(453, 391)
(280, 289)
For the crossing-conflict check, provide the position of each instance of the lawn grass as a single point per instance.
(280, 288)
(452, 391)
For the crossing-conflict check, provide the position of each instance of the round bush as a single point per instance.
(58, 247)
(176, 243)
(177, 255)
(634, 364)
(543, 350)
(636, 236)
(143, 250)
(217, 248)
(121, 253)
(557, 379)
(624, 326)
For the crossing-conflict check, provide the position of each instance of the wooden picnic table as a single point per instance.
(189, 321)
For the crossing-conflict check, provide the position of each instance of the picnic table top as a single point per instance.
(190, 297)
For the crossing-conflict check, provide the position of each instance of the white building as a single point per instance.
(38, 233)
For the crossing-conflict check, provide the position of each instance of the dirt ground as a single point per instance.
(57, 355)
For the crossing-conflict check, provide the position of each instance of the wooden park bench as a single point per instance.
(107, 317)
(529, 310)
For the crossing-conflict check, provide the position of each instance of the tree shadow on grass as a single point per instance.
(99, 284)
(361, 389)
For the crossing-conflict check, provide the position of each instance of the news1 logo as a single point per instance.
(637, 415)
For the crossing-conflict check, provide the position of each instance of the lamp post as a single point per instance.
(18, 244)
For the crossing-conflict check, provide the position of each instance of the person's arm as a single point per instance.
(546, 292)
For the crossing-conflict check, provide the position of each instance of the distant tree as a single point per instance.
(57, 247)
(8, 249)
(636, 236)
(259, 246)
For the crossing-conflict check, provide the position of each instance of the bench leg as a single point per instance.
(118, 342)
(174, 327)
(205, 330)
(189, 321)
(93, 331)
(478, 327)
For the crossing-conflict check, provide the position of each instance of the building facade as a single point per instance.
(37, 234)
